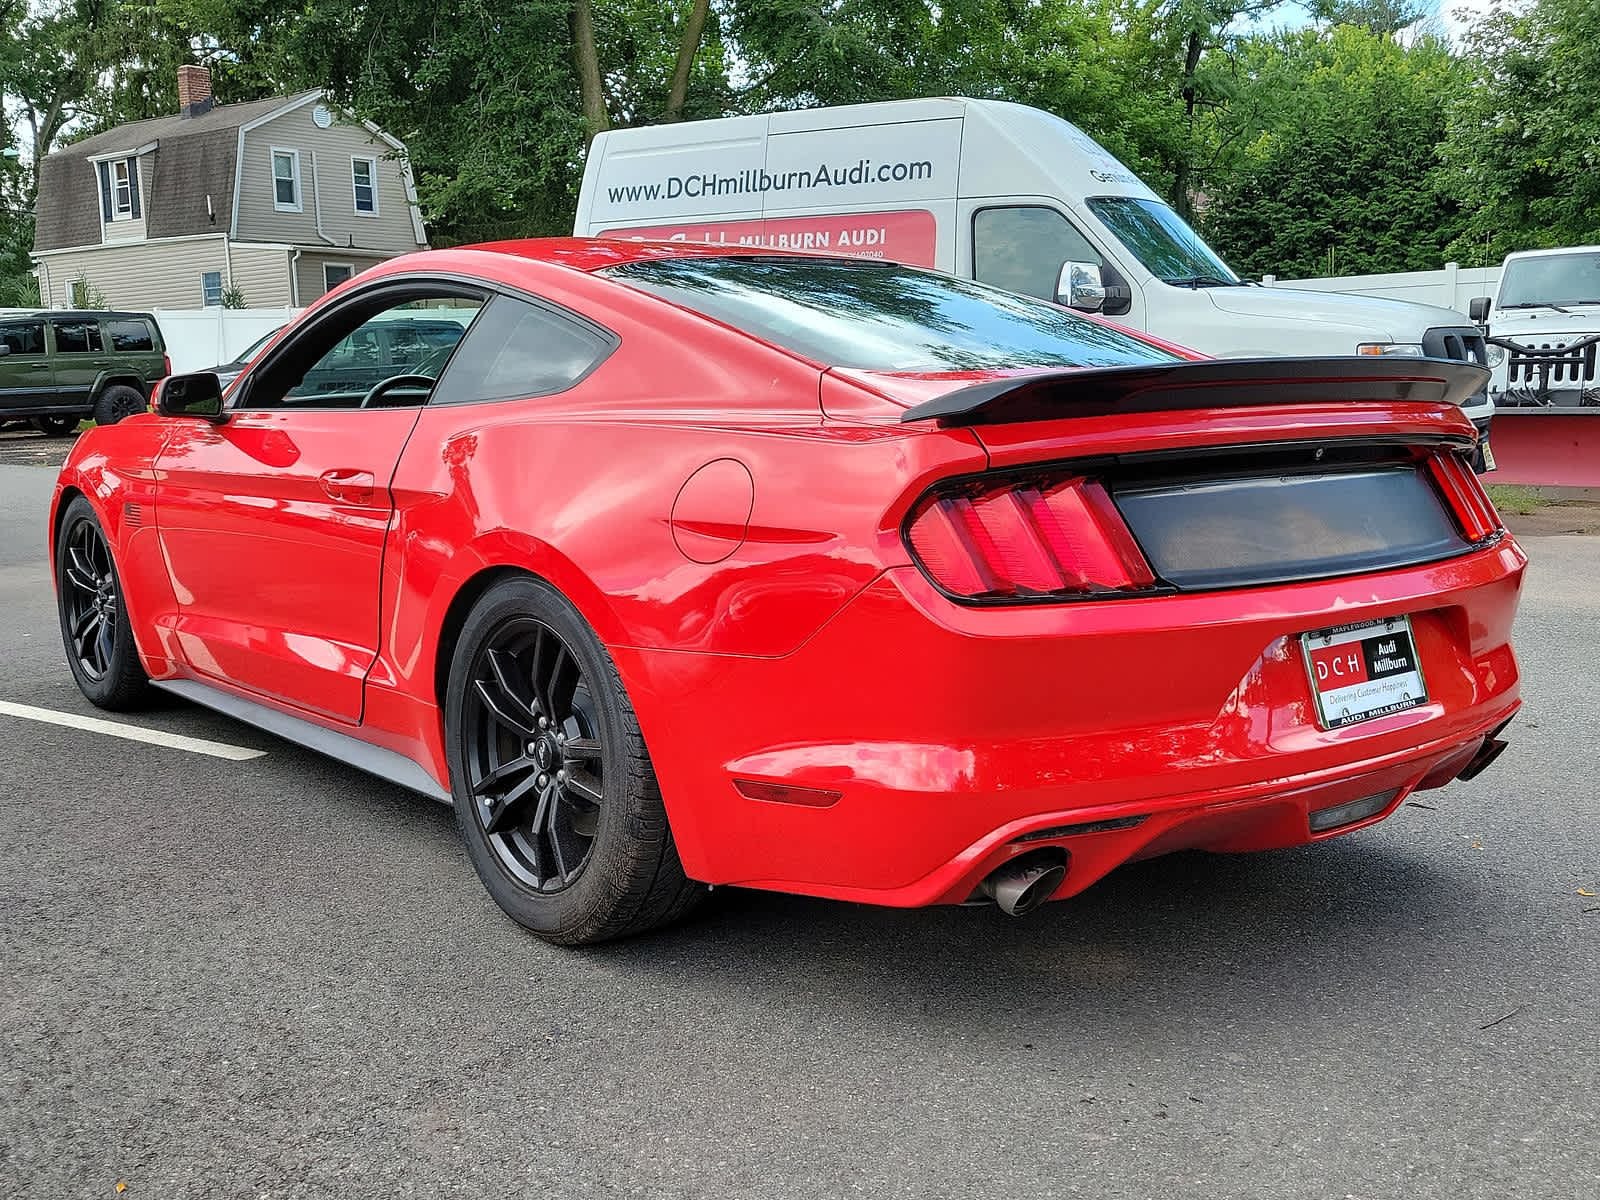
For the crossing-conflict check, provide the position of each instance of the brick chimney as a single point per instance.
(194, 91)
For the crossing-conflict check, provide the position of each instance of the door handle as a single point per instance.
(102, 362)
(353, 487)
(39, 366)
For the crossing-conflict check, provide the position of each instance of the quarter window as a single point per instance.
(211, 288)
(23, 337)
(364, 182)
(521, 349)
(129, 336)
(1021, 249)
(77, 337)
(286, 180)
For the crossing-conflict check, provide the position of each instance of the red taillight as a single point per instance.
(166, 365)
(1469, 503)
(1028, 538)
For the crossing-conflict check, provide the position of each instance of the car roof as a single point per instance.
(98, 314)
(595, 254)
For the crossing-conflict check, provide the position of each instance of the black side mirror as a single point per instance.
(1478, 309)
(196, 395)
(1119, 295)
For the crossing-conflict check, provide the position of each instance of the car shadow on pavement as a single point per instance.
(1145, 945)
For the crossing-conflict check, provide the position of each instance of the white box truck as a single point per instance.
(997, 192)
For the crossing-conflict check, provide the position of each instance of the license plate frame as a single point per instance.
(1363, 670)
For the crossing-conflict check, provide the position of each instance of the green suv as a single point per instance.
(59, 367)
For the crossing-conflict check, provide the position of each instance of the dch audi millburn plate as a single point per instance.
(1361, 672)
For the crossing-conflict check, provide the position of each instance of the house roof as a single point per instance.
(194, 158)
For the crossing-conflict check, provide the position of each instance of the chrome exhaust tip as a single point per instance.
(1025, 882)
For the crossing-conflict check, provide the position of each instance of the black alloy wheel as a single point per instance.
(119, 402)
(555, 796)
(89, 598)
(95, 629)
(535, 763)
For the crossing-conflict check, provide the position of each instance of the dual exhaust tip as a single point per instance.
(1027, 881)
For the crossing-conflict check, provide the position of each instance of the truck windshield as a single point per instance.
(1163, 241)
(1547, 279)
(883, 317)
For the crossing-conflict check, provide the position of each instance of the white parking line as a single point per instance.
(133, 733)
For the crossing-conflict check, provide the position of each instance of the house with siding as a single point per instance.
(275, 200)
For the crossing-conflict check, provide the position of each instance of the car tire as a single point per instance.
(118, 402)
(56, 426)
(94, 617)
(554, 793)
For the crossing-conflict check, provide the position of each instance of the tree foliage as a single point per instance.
(1524, 139)
(1339, 173)
(1344, 139)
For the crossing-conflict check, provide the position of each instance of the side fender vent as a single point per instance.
(132, 514)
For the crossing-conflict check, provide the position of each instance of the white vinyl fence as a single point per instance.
(1454, 287)
(198, 338)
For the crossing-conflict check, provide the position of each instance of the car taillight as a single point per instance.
(166, 365)
(1028, 538)
(1469, 503)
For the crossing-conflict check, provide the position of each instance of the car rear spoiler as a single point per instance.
(1209, 383)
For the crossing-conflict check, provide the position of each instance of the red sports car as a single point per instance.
(673, 567)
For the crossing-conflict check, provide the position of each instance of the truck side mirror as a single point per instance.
(1478, 309)
(1079, 286)
(196, 395)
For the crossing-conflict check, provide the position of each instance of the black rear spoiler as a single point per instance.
(1209, 383)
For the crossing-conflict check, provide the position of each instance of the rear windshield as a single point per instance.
(883, 317)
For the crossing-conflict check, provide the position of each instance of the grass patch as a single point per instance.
(1516, 499)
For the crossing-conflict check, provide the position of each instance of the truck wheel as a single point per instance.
(119, 401)
(56, 426)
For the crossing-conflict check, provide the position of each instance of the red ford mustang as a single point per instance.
(675, 567)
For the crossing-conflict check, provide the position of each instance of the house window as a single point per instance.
(211, 288)
(122, 186)
(333, 274)
(364, 181)
(119, 189)
(286, 180)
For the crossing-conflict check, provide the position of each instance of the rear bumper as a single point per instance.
(948, 733)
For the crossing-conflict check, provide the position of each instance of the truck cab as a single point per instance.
(1544, 329)
(998, 192)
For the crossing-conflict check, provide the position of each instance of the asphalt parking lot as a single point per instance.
(276, 977)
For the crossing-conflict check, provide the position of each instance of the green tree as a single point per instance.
(1524, 137)
(1337, 176)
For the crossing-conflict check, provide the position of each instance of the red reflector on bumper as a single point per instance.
(783, 793)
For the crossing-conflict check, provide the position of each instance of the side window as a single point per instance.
(285, 180)
(77, 337)
(23, 337)
(129, 336)
(1021, 249)
(520, 349)
(364, 184)
(413, 337)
